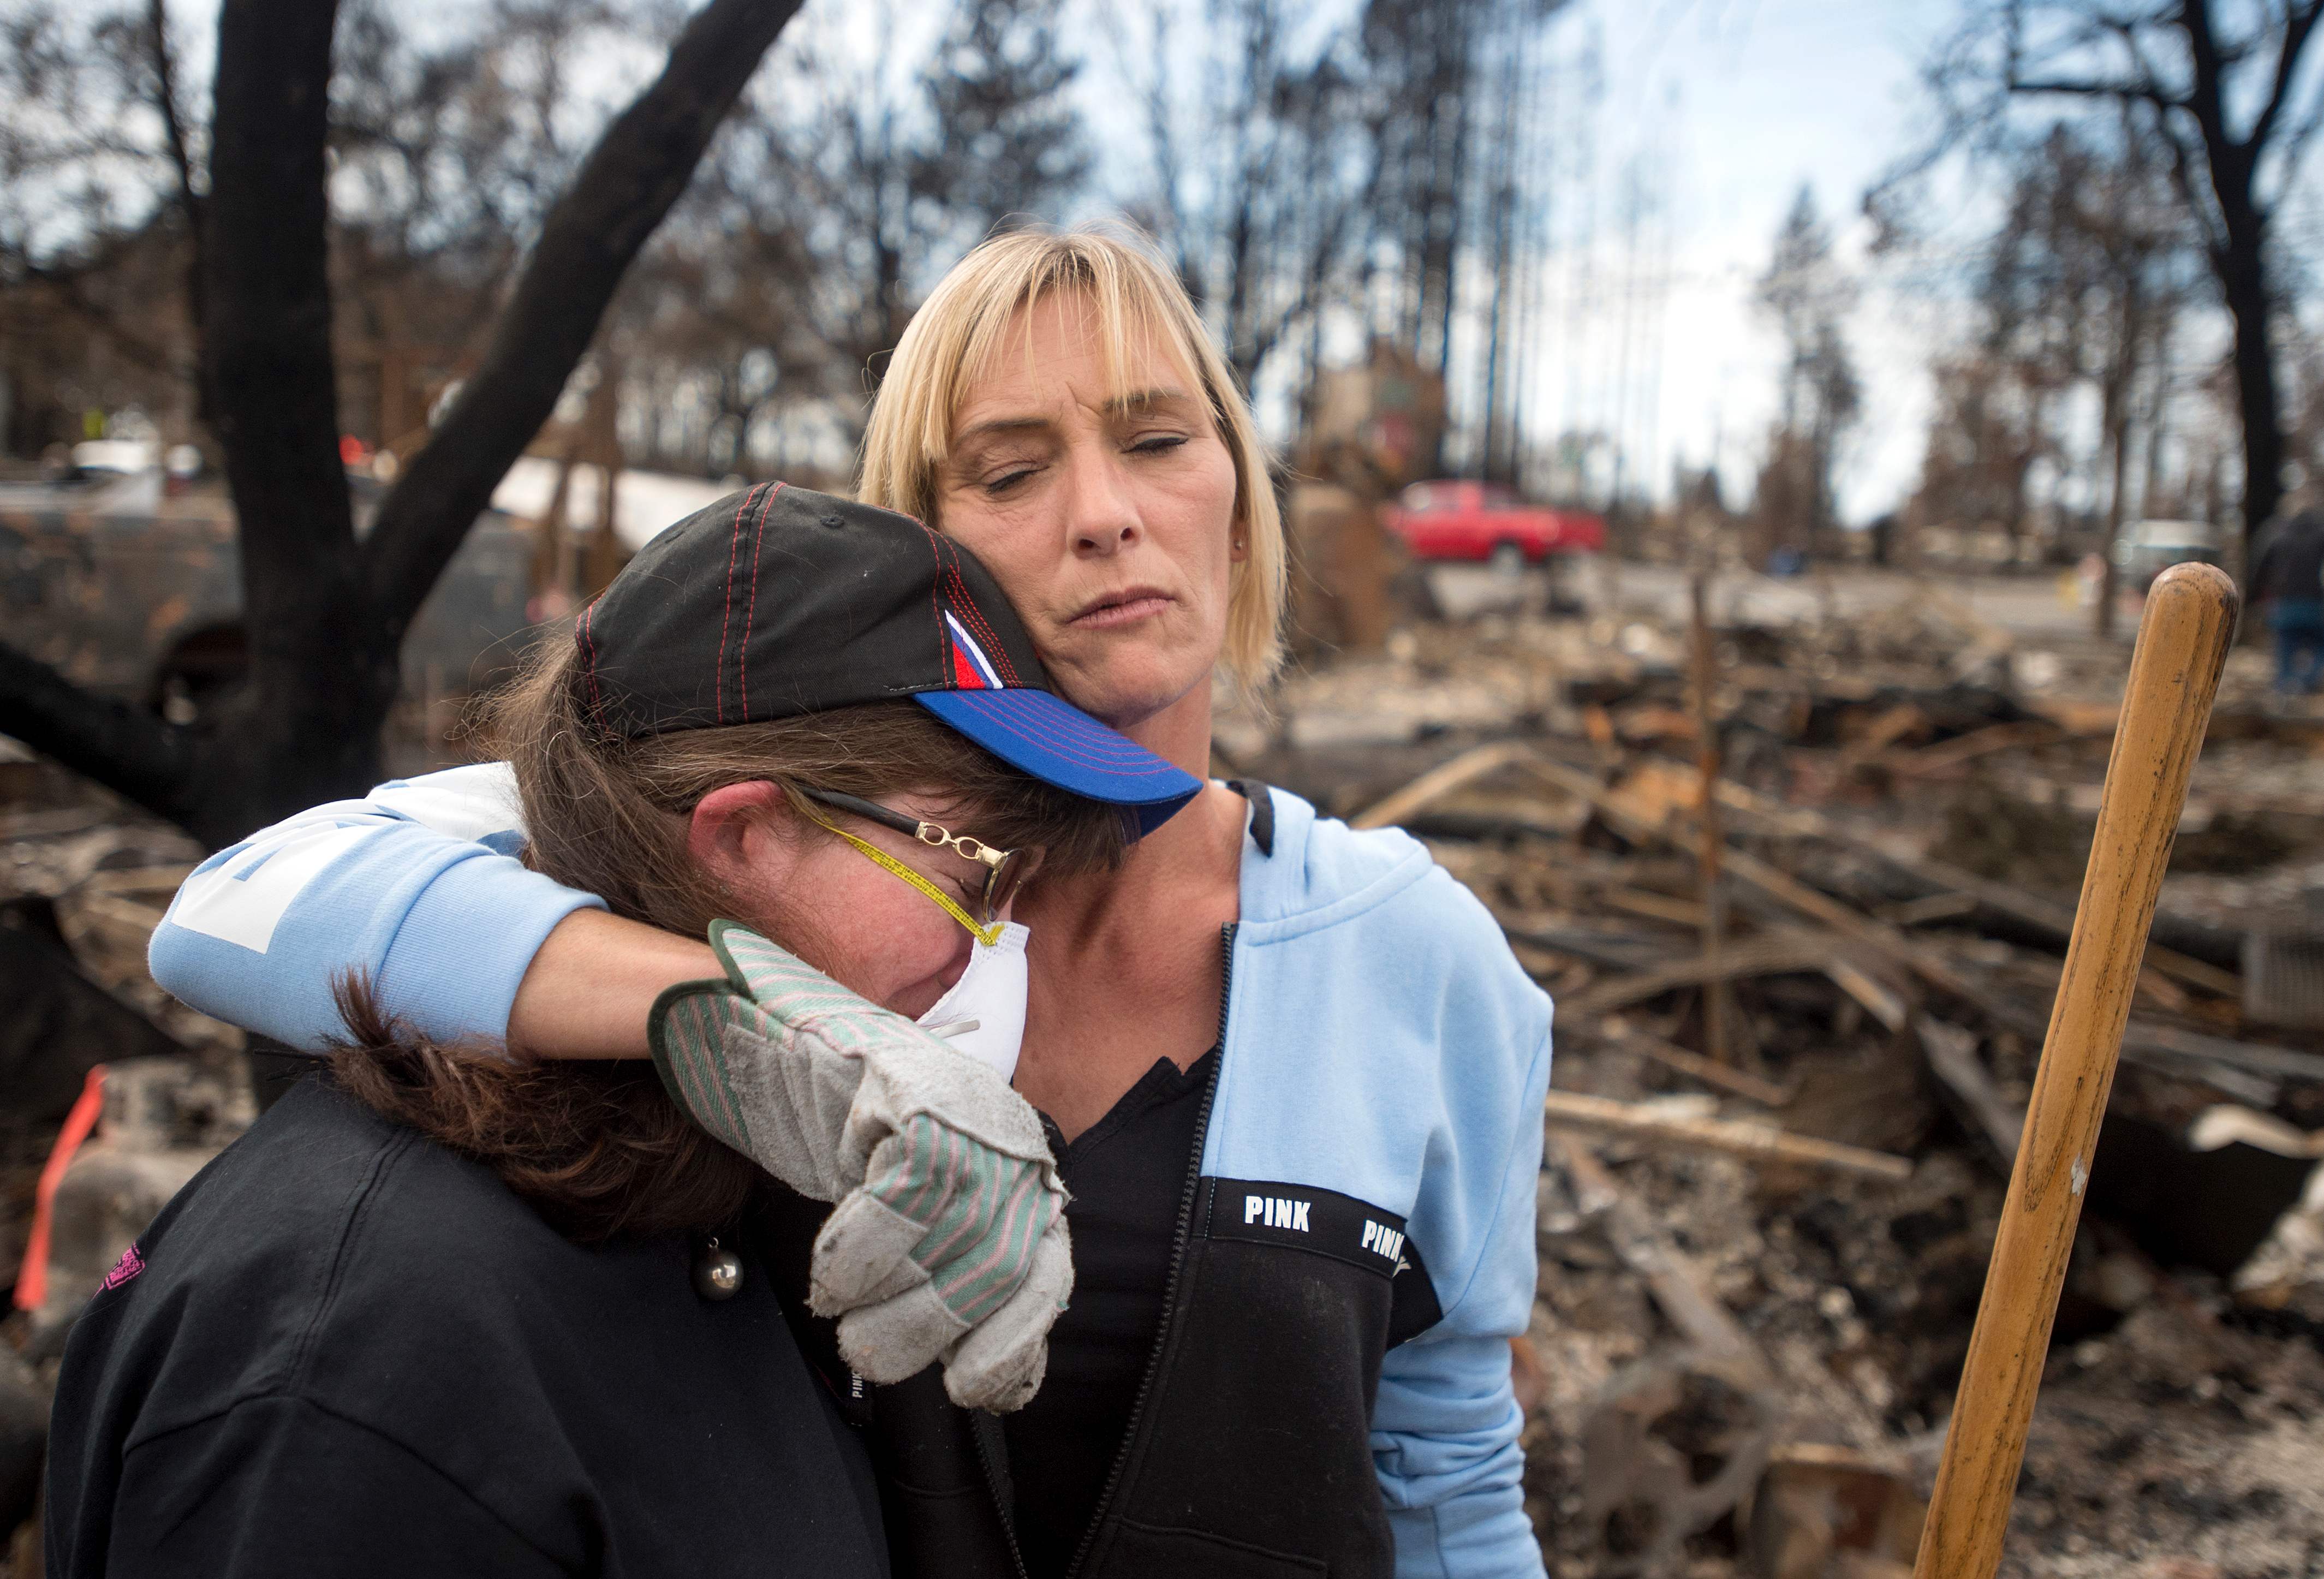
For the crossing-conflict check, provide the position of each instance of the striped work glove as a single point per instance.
(948, 1239)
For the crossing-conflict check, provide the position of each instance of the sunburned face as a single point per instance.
(1106, 512)
(837, 908)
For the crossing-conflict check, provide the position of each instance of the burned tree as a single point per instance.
(1260, 178)
(1386, 162)
(2078, 288)
(327, 611)
(1808, 295)
(107, 314)
(845, 183)
(2231, 100)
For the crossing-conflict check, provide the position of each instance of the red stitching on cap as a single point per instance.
(964, 600)
(977, 621)
(946, 664)
(750, 620)
(589, 659)
(726, 615)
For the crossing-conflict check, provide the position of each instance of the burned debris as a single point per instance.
(111, 1095)
(1760, 1255)
(1760, 1259)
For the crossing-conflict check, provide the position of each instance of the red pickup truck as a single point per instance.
(1483, 520)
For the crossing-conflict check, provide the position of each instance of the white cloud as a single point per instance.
(1743, 103)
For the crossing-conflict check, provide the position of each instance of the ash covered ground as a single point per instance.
(1738, 1365)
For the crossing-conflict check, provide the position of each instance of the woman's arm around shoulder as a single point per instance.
(416, 887)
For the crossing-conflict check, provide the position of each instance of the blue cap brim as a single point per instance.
(1059, 743)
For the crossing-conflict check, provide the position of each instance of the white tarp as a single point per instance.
(644, 502)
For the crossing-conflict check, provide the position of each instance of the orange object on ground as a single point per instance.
(33, 1278)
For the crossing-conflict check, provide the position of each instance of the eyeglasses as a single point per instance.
(1005, 870)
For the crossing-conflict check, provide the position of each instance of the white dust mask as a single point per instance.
(983, 1015)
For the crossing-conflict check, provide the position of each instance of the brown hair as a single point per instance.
(597, 1147)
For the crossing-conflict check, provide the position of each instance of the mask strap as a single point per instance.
(988, 936)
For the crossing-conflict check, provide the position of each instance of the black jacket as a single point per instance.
(1247, 1455)
(343, 1350)
(2290, 566)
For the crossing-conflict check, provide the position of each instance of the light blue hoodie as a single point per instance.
(1381, 1043)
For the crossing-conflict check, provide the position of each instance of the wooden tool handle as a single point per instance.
(2182, 643)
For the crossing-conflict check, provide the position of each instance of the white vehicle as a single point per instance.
(126, 456)
(2148, 547)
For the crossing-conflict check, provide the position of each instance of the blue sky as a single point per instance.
(1742, 101)
(1757, 98)
(1726, 105)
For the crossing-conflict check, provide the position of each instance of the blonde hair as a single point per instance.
(1132, 299)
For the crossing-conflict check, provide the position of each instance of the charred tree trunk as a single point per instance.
(2113, 421)
(2243, 283)
(2218, 172)
(325, 614)
(2238, 244)
(322, 670)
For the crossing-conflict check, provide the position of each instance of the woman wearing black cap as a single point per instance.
(444, 1313)
(1292, 1075)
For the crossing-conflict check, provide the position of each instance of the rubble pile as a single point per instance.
(1798, 1018)
(83, 880)
(2184, 1427)
(1788, 1096)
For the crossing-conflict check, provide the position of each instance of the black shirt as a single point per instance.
(343, 1350)
(1128, 1176)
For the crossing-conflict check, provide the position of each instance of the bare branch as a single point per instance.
(2299, 26)
(2149, 91)
(123, 747)
(173, 125)
(70, 293)
(631, 178)
(2204, 91)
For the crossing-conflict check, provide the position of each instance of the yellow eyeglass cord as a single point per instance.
(988, 936)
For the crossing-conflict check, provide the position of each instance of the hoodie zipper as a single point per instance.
(1177, 1261)
(1000, 1504)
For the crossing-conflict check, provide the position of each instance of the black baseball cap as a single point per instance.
(780, 601)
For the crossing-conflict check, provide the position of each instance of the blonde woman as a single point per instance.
(1290, 1072)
